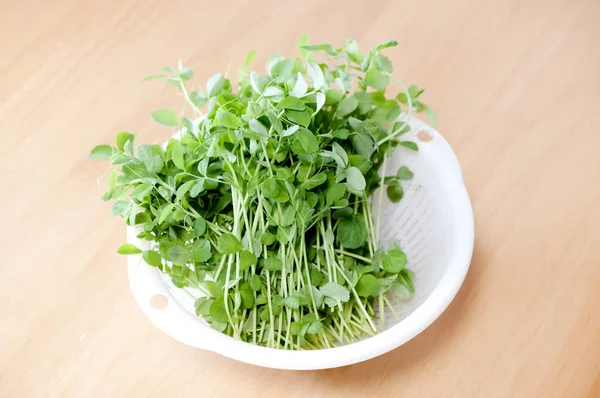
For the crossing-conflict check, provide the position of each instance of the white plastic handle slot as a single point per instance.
(438, 150)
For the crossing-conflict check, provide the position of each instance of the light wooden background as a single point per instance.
(516, 84)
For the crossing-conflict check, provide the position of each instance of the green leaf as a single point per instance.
(333, 96)
(128, 248)
(202, 305)
(112, 179)
(395, 192)
(258, 128)
(402, 98)
(347, 106)
(290, 131)
(178, 255)
(178, 155)
(366, 64)
(316, 277)
(129, 148)
(341, 134)
(320, 102)
(344, 212)
(407, 276)
(229, 244)
(383, 63)
(353, 51)
(246, 295)
(247, 260)
(363, 145)
(352, 232)
(101, 152)
(394, 261)
(335, 291)
(198, 98)
(367, 286)
(314, 327)
(302, 41)
(400, 290)
(273, 263)
(185, 74)
(291, 103)
(199, 226)
(273, 93)
(305, 142)
(255, 82)
(288, 217)
(166, 117)
(229, 120)
(197, 188)
(315, 181)
(152, 258)
(300, 87)
(298, 117)
(341, 153)
(386, 44)
(152, 77)
(202, 252)
(321, 47)
(304, 172)
(122, 139)
(203, 167)
(119, 207)
(183, 189)
(355, 181)
(316, 75)
(267, 238)
(376, 79)
(151, 156)
(249, 58)
(218, 311)
(215, 84)
(295, 301)
(296, 327)
(141, 191)
(270, 188)
(414, 92)
(166, 211)
(377, 258)
(335, 192)
(410, 145)
(215, 289)
(218, 325)
(282, 68)
(328, 238)
(404, 173)
(256, 283)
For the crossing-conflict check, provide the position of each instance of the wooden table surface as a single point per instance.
(516, 84)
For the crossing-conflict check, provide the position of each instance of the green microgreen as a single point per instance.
(263, 203)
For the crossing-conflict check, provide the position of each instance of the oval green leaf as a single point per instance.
(367, 286)
(166, 117)
(152, 258)
(352, 232)
(128, 248)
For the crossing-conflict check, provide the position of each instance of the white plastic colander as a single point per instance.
(433, 224)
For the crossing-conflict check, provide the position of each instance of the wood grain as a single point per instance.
(517, 87)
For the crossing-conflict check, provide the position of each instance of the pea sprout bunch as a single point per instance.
(265, 206)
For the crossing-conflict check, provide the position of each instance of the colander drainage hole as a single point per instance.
(424, 136)
(159, 301)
